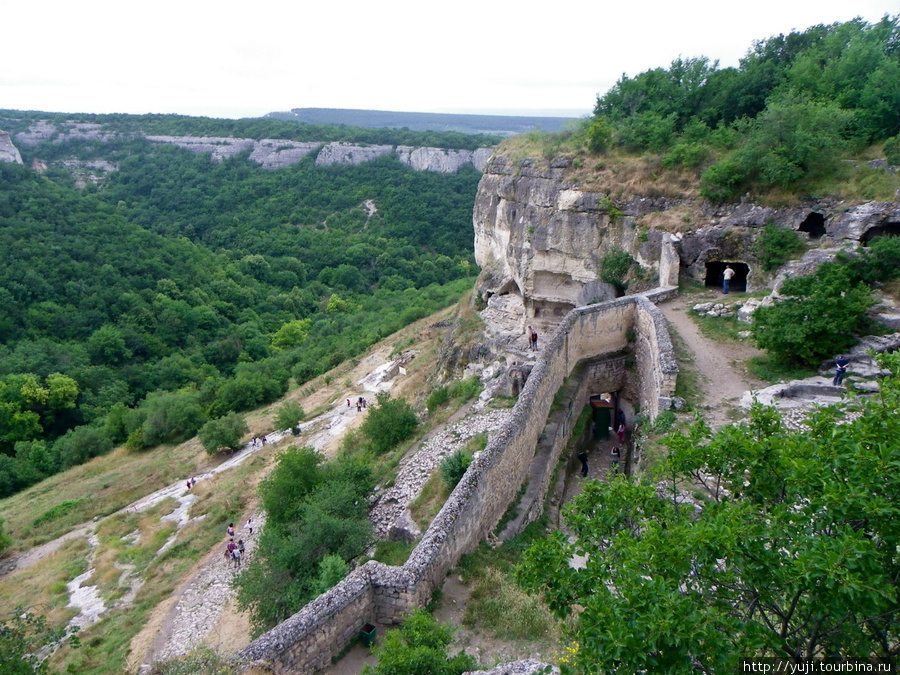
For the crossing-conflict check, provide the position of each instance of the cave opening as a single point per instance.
(813, 225)
(714, 271)
(885, 230)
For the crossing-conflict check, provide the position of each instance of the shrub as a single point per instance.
(289, 414)
(599, 135)
(614, 268)
(722, 182)
(891, 149)
(775, 246)
(419, 647)
(5, 539)
(224, 433)
(81, 444)
(453, 467)
(437, 398)
(818, 319)
(388, 422)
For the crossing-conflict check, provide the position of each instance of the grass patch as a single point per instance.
(769, 369)
(497, 605)
(718, 328)
(58, 511)
(429, 501)
(393, 552)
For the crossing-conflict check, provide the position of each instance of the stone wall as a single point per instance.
(383, 594)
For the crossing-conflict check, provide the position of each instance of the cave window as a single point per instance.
(886, 230)
(714, 271)
(813, 225)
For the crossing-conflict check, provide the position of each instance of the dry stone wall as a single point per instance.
(382, 594)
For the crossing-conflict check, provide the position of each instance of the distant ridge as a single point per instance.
(504, 125)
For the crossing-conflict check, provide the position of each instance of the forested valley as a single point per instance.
(178, 290)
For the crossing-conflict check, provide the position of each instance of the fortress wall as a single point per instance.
(383, 594)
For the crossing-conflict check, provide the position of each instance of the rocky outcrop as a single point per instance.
(9, 153)
(542, 238)
(273, 153)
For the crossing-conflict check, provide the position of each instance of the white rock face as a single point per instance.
(9, 153)
(542, 238)
(346, 153)
(270, 153)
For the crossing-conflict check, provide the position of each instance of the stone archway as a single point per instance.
(714, 269)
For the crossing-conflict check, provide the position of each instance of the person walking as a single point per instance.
(615, 459)
(726, 279)
(583, 458)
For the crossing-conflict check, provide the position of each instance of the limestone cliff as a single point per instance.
(274, 153)
(540, 239)
(9, 153)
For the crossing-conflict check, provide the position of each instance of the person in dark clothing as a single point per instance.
(583, 457)
(840, 367)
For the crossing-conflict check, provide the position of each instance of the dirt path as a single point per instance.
(718, 364)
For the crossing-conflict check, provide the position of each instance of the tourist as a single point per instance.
(583, 458)
(726, 279)
(615, 459)
(249, 526)
(229, 531)
(840, 367)
(620, 432)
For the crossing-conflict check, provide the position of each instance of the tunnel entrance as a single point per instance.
(714, 271)
(886, 230)
(813, 225)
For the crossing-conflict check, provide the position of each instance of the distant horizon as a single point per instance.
(569, 113)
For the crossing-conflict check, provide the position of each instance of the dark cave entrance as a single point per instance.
(714, 275)
(886, 230)
(813, 225)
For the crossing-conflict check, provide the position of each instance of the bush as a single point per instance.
(388, 422)
(5, 539)
(437, 398)
(819, 318)
(419, 647)
(891, 149)
(453, 467)
(599, 135)
(224, 433)
(81, 444)
(722, 182)
(289, 414)
(775, 246)
(614, 268)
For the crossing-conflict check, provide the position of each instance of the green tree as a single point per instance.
(819, 316)
(389, 422)
(775, 246)
(80, 444)
(5, 539)
(792, 554)
(419, 647)
(288, 415)
(291, 334)
(223, 433)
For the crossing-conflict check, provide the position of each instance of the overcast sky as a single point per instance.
(242, 59)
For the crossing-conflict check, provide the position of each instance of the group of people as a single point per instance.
(234, 550)
(615, 452)
(191, 482)
(257, 442)
(360, 404)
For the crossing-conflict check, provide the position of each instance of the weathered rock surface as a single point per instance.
(9, 153)
(271, 153)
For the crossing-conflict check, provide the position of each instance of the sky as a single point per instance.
(244, 59)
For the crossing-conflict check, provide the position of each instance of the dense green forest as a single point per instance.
(179, 289)
(796, 105)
